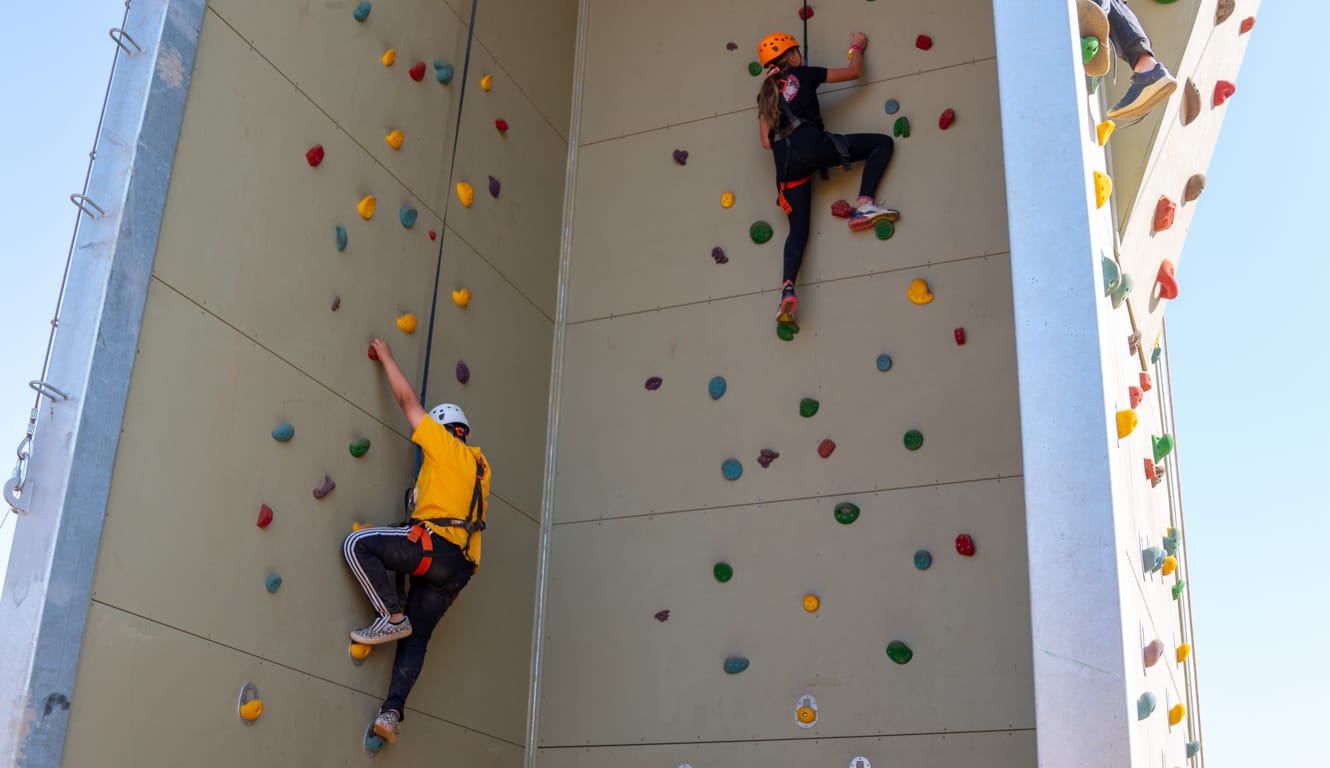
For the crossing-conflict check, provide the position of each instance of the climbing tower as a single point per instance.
(936, 521)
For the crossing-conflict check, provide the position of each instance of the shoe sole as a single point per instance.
(786, 313)
(387, 733)
(379, 640)
(859, 225)
(1148, 101)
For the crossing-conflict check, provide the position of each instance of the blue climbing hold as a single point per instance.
(341, 237)
(732, 469)
(922, 559)
(893, 106)
(362, 11)
(284, 433)
(735, 664)
(273, 583)
(716, 388)
(443, 71)
(408, 216)
(374, 743)
(1152, 559)
(884, 362)
(1145, 706)
(1192, 748)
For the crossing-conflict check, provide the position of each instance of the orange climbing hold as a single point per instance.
(395, 139)
(1165, 210)
(1223, 90)
(407, 323)
(1168, 282)
(1246, 25)
(1135, 395)
(462, 297)
(811, 603)
(1146, 383)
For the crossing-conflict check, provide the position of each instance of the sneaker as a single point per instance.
(382, 631)
(788, 303)
(1147, 90)
(386, 725)
(865, 216)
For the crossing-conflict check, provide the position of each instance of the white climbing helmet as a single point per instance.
(447, 413)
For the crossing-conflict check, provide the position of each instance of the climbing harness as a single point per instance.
(793, 123)
(473, 523)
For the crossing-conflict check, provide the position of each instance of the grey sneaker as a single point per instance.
(1147, 90)
(386, 725)
(382, 631)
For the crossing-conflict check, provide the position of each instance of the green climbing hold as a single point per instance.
(735, 664)
(1089, 48)
(723, 572)
(1145, 705)
(1123, 290)
(284, 432)
(359, 447)
(808, 407)
(884, 229)
(899, 652)
(754, 68)
(846, 512)
(1163, 445)
(914, 440)
(1177, 589)
(760, 232)
(786, 331)
(901, 129)
(1112, 274)
(1154, 354)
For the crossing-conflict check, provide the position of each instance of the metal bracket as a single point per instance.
(83, 202)
(121, 38)
(48, 390)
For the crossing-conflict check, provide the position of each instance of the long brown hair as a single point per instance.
(768, 104)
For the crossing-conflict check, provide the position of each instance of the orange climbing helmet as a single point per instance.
(772, 46)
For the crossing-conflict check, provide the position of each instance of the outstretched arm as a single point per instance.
(856, 68)
(402, 389)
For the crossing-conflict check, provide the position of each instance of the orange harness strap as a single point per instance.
(780, 192)
(421, 535)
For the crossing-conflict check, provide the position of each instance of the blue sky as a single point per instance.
(1247, 342)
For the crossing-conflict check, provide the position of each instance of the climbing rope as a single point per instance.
(808, 61)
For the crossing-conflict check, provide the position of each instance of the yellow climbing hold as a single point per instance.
(466, 193)
(1176, 714)
(407, 323)
(360, 526)
(806, 714)
(1104, 130)
(1170, 565)
(918, 292)
(727, 200)
(251, 710)
(486, 82)
(462, 297)
(394, 139)
(360, 651)
(1184, 651)
(1127, 421)
(811, 602)
(366, 207)
(389, 56)
(1103, 188)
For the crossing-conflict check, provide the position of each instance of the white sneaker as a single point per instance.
(865, 216)
(382, 631)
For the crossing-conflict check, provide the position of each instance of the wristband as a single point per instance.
(850, 53)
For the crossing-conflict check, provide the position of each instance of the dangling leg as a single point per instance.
(1151, 83)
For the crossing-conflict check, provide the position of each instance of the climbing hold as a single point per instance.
(923, 42)
(486, 82)
(884, 362)
(461, 297)
(1145, 705)
(1104, 130)
(892, 106)
(463, 372)
(314, 156)
(914, 440)
(362, 10)
(372, 354)
(389, 56)
(1170, 565)
(884, 229)
(846, 512)
(1103, 188)
(433, 235)
(959, 335)
(1152, 472)
(1184, 650)
(1152, 652)
(1134, 342)
(1192, 748)
(341, 238)
(1165, 210)
(1176, 713)
(654, 383)
(1191, 102)
(723, 572)
(826, 448)
(1123, 290)
(899, 652)
(366, 207)
(359, 651)
(1195, 186)
(842, 210)
(417, 71)
(860, 761)
(786, 331)
(1112, 274)
(901, 128)
(735, 664)
(265, 516)
(1246, 25)
(731, 46)
(494, 188)
(1224, 10)
(1089, 49)
(754, 68)
(1163, 445)
(1135, 396)
(249, 706)
(395, 139)
(465, 193)
(1152, 559)
(766, 456)
(1223, 90)
(407, 323)
(681, 156)
(407, 215)
(805, 13)
(805, 711)
(359, 448)
(965, 545)
(726, 199)
(923, 559)
(1171, 541)
(811, 602)
(501, 125)
(284, 432)
(443, 71)
(326, 488)
(1177, 589)
(272, 583)
(374, 743)
(731, 469)
(1168, 282)
(918, 292)
(1127, 421)
(662, 616)
(948, 117)
(1155, 353)
(808, 407)
(718, 254)
(760, 232)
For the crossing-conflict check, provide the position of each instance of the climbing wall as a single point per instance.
(242, 463)
(770, 552)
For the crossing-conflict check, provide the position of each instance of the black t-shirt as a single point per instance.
(799, 86)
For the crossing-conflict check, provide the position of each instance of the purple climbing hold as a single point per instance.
(494, 187)
(681, 156)
(718, 254)
(326, 488)
(662, 616)
(463, 372)
(731, 46)
(654, 383)
(766, 457)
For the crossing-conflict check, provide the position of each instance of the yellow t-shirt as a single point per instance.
(447, 481)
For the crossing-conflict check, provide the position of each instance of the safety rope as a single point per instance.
(808, 61)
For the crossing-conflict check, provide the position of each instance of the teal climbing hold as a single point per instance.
(884, 229)
(284, 432)
(716, 388)
(901, 129)
(374, 743)
(923, 559)
(1112, 274)
(735, 664)
(884, 362)
(899, 652)
(731, 469)
(1145, 706)
(914, 440)
(1123, 290)
(362, 10)
(1154, 354)
(1152, 559)
(1192, 748)
(892, 106)
(760, 232)
(723, 572)
(1177, 589)
(1171, 541)
(754, 68)
(359, 447)
(808, 407)
(443, 71)
(1163, 445)
(273, 583)
(341, 238)
(846, 512)
(408, 216)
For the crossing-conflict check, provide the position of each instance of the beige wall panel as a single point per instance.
(196, 461)
(638, 680)
(505, 341)
(647, 67)
(1010, 749)
(948, 184)
(535, 41)
(150, 696)
(638, 451)
(335, 62)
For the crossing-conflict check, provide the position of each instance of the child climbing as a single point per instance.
(790, 123)
(1151, 84)
(440, 549)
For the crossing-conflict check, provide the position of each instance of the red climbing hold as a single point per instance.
(923, 42)
(965, 545)
(501, 124)
(265, 516)
(315, 155)
(433, 234)
(948, 117)
(825, 448)
(372, 354)
(417, 71)
(1151, 472)
(1136, 396)
(337, 303)
(1165, 210)
(842, 210)
(1146, 383)
(1168, 282)
(1246, 25)
(1223, 89)
(959, 333)
(805, 13)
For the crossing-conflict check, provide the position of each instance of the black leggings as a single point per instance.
(813, 150)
